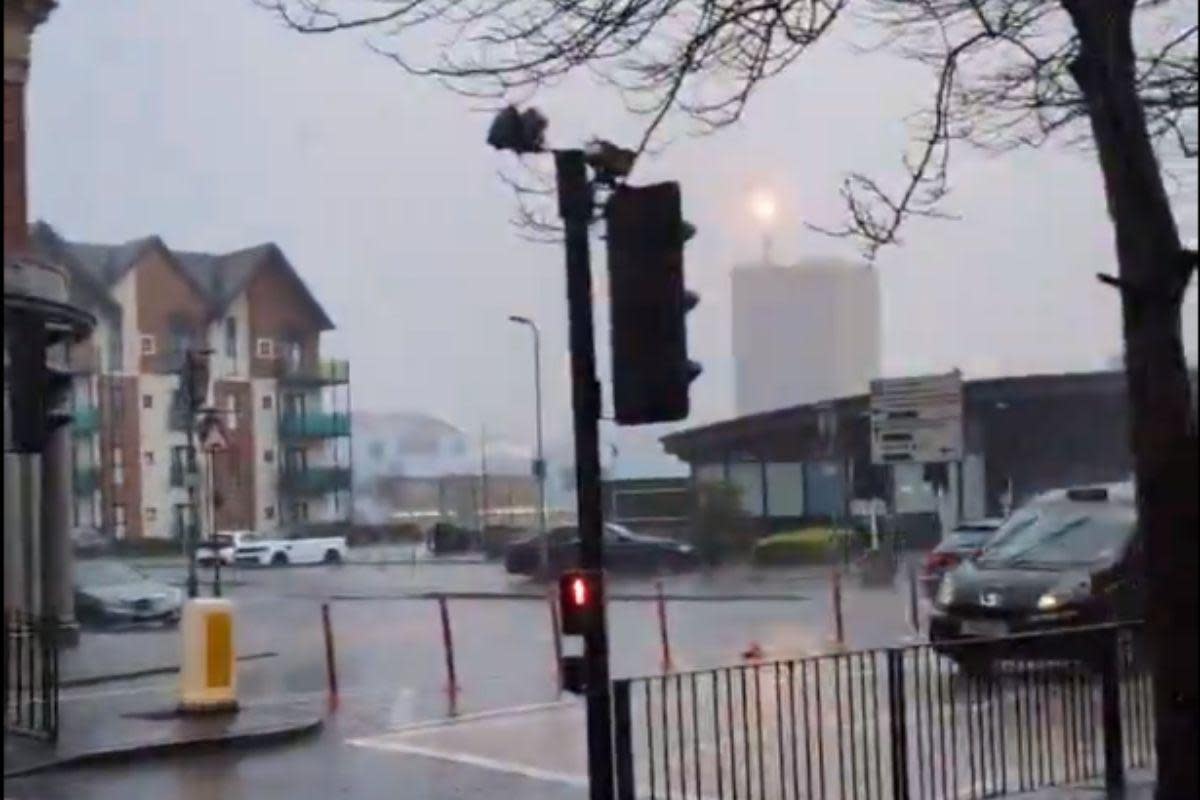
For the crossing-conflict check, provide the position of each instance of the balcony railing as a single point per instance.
(85, 420)
(321, 373)
(86, 480)
(314, 426)
(315, 480)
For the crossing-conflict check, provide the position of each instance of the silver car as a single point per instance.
(110, 592)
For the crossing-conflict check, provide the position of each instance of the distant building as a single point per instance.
(1023, 435)
(284, 410)
(803, 334)
(418, 468)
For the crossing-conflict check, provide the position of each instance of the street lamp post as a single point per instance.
(540, 462)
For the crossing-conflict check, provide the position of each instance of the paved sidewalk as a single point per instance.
(150, 731)
(1139, 785)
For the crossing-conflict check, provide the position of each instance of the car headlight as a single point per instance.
(945, 592)
(685, 549)
(1049, 602)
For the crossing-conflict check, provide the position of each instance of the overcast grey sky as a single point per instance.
(211, 125)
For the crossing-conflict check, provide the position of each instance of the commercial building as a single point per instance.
(283, 410)
(812, 461)
(803, 333)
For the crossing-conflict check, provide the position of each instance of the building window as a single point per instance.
(116, 351)
(231, 337)
(148, 344)
(269, 512)
(147, 401)
(269, 456)
(116, 394)
(265, 348)
(151, 514)
(118, 462)
(266, 402)
(119, 521)
(148, 456)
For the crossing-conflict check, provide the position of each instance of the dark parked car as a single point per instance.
(623, 550)
(1067, 558)
(965, 541)
(108, 592)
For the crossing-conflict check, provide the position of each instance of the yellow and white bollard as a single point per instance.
(208, 678)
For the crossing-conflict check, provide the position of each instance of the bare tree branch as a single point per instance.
(1001, 69)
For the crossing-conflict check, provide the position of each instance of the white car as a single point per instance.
(257, 550)
(221, 546)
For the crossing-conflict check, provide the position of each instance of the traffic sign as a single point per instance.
(212, 436)
(917, 420)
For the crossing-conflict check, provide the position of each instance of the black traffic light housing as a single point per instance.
(580, 601)
(38, 391)
(649, 304)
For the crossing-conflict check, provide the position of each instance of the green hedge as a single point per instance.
(816, 545)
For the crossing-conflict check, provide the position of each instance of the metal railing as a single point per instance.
(326, 372)
(86, 479)
(314, 480)
(31, 675)
(314, 425)
(905, 722)
(85, 420)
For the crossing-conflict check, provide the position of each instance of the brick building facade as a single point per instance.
(284, 411)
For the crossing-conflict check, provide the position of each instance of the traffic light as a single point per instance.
(38, 392)
(581, 601)
(649, 304)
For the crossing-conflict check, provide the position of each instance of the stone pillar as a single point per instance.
(20, 18)
(22, 545)
(58, 569)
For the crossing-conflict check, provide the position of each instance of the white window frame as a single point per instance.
(148, 345)
(264, 348)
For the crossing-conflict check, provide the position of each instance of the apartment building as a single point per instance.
(284, 411)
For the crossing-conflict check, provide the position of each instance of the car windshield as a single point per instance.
(1060, 537)
(106, 573)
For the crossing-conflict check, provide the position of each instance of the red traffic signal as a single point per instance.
(581, 599)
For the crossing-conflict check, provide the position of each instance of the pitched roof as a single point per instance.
(86, 286)
(220, 278)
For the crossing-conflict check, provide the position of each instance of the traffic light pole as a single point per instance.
(575, 208)
(189, 535)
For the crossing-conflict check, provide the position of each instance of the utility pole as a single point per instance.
(575, 208)
(539, 464)
(189, 468)
(194, 387)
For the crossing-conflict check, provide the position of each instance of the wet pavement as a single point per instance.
(391, 674)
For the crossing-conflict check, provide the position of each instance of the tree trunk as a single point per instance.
(1154, 271)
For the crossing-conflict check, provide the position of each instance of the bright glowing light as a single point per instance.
(762, 205)
(579, 591)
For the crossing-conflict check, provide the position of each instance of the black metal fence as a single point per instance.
(970, 720)
(31, 675)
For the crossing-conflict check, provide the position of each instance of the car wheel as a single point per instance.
(332, 557)
(279, 560)
(172, 621)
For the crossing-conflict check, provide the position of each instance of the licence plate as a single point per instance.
(984, 628)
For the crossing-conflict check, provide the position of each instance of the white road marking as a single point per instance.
(461, 719)
(510, 767)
